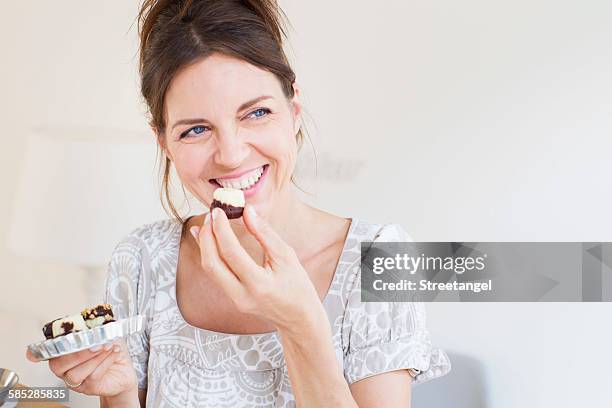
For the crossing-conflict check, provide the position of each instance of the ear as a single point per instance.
(161, 141)
(297, 108)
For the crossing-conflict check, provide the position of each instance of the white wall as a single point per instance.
(471, 121)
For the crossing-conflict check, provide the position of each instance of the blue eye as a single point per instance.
(197, 130)
(259, 113)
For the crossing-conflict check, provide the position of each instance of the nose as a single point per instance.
(231, 150)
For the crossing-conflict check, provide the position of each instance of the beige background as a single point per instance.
(463, 121)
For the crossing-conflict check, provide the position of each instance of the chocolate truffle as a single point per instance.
(230, 200)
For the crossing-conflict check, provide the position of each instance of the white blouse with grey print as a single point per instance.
(186, 366)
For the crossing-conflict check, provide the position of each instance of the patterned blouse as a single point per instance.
(185, 366)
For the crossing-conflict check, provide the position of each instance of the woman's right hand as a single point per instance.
(105, 371)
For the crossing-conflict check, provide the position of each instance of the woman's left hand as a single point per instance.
(279, 291)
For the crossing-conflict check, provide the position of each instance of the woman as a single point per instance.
(259, 311)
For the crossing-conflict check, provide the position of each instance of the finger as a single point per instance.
(30, 356)
(214, 265)
(101, 369)
(230, 249)
(60, 365)
(79, 373)
(274, 246)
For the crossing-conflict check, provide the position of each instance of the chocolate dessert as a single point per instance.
(230, 200)
(87, 319)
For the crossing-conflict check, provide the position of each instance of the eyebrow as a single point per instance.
(242, 107)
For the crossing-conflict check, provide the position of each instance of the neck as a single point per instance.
(289, 217)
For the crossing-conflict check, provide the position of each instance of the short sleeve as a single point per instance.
(388, 336)
(128, 291)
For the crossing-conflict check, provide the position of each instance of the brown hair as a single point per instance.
(175, 33)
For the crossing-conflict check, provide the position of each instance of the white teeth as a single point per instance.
(244, 183)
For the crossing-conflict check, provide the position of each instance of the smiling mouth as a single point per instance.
(244, 182)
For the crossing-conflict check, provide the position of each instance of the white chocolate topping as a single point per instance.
(229, 196)
(76, 320)
(95, 322)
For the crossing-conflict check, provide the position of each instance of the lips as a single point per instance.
(244, 182)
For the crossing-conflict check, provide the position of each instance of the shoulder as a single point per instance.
(135, 265)
(364, 231)
(370, 231)
(358, 314)
(355, 309)
(392, 233)
(154, 233)
(149, 238)
(145, 252)
(379, 337)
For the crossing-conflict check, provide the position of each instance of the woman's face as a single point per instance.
(229, 124)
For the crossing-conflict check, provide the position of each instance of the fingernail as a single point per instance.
(108, 346)
(251, 211)
(116, 349)
(207, 218)
(195, 231)
(95, 349)
(214, 214)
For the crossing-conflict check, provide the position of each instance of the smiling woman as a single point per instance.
(177, 34)
(263, 310)
(249, 128)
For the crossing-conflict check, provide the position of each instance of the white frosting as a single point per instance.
(230, 196)
(76, 320)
